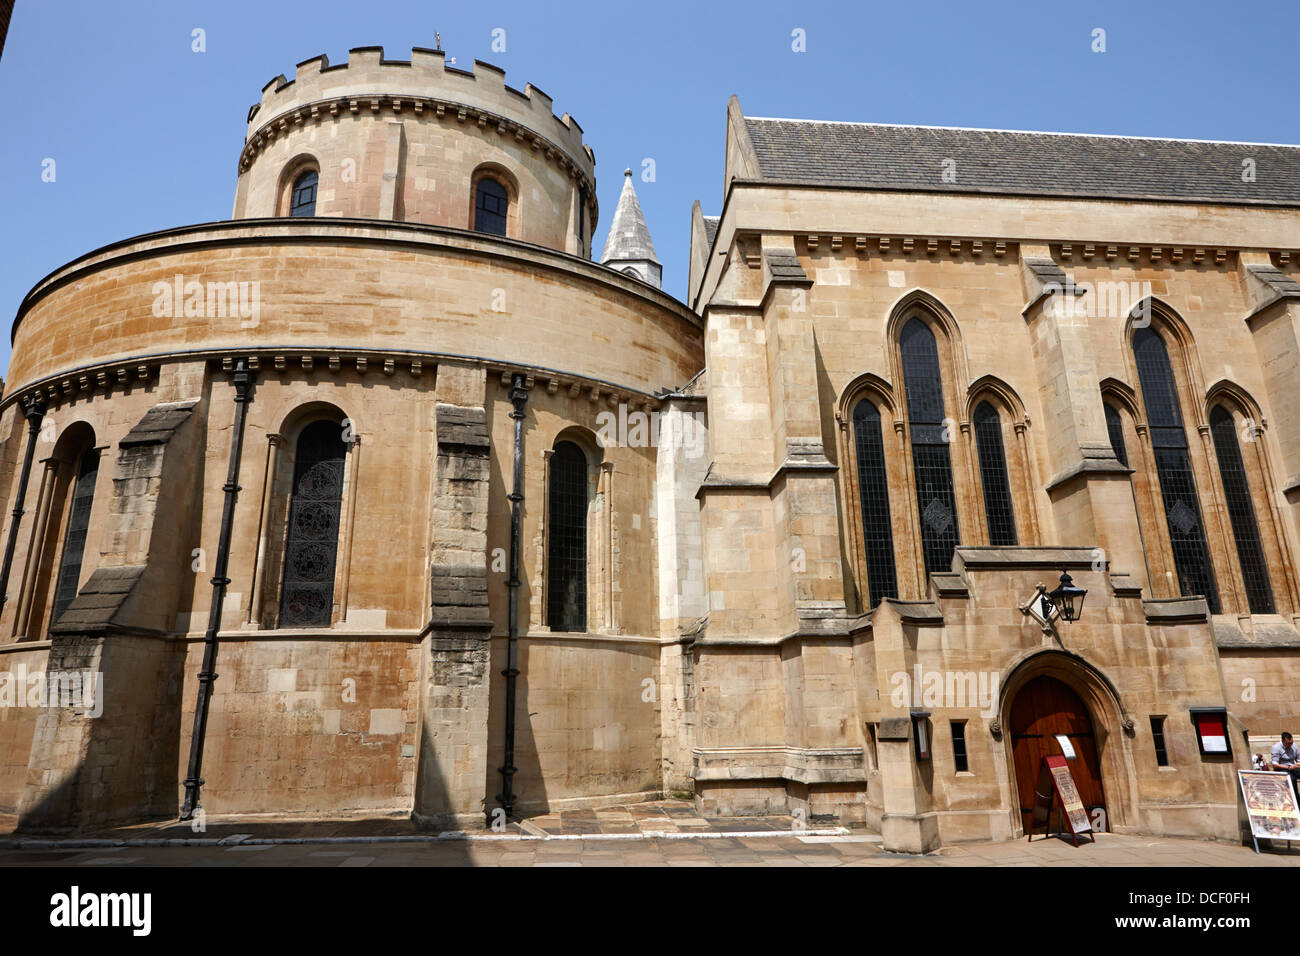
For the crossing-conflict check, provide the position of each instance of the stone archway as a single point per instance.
(1102, 715)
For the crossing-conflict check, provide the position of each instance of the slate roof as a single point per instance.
(159, 423)
(879, 156)
(629, 238)
(98, 601)
(785, 265)
(1048, 271)
(711, 229)
(1277, 280)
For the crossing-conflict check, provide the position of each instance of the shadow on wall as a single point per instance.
(830, 448)
(87, 772)
(528, 783)
(531, 797)
(126, 766)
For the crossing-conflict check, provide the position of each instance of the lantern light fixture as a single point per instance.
(1067, 598)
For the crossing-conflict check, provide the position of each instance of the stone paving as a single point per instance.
(663, 833)
(660, 816)
(783, 850)
(651, 818)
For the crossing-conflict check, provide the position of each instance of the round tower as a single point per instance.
(400, 334)
(418, 141)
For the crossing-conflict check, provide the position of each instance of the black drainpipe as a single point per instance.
(35, 412)
(243, 381)
(518, 397)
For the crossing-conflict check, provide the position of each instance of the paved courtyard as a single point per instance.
(663, 833)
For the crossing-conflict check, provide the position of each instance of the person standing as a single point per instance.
(1285, 757)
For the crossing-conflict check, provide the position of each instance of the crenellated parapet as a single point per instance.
(424, 86)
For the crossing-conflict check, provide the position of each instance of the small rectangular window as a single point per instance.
(1158, 735)
(871, 739)
(959, 745)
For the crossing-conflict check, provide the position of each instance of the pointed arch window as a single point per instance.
(993, 476)
(1174, 467)
(74, 539)
(302, 201)
(931, 459)
(566, 554)
(873, 491)
(1115, 429)
(491, 203)
(1241, 511)
(311, 548)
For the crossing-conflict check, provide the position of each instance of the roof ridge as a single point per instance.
(1029, 132)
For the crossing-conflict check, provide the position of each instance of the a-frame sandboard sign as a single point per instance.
(1271, 808)
(1055, 783)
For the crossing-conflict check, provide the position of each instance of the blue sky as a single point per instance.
(145, 133)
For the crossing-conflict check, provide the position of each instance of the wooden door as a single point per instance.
(1044, 708)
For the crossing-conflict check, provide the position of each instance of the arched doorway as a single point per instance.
(1044, 709)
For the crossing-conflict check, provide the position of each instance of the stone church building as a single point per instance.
(384, 497)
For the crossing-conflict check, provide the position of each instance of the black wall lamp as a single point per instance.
(1067, 598)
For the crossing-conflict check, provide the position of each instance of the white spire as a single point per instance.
(628, 247)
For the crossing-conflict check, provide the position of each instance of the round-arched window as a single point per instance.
(567, 540)
(491, 203)
(302, 201)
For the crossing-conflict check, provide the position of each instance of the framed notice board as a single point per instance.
(1270, 805)
(1056, 787)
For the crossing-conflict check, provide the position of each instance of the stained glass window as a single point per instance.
(930, 434)
(566, 566)
(1174, 468)
(307, 591)
(1241, 511)
(873, 490)
(993, 476)
(74, 540)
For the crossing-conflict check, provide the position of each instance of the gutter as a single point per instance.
(518, 398)
(243, 381)
(35, 412)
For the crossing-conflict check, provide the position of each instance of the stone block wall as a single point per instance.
(17, 720)
(307, 726)
(587, 721)
(121, 766)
